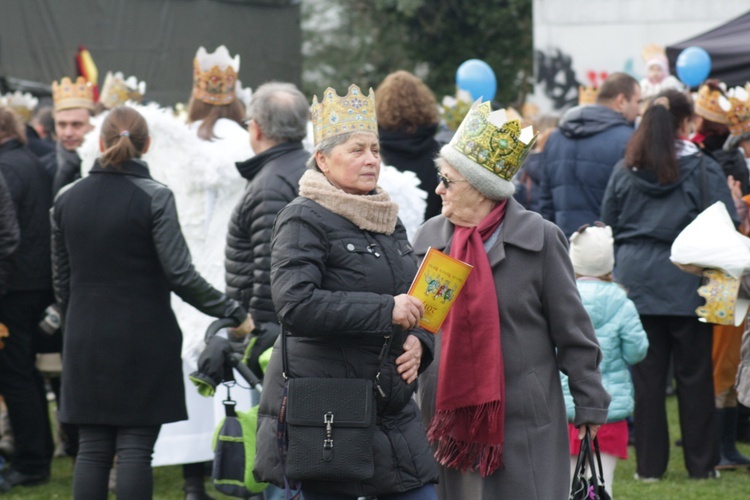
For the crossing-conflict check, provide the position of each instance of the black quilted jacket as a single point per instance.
(273, 177)
(333, 287)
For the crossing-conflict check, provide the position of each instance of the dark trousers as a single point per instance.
(689, 342)
(22, 385)
(97, 447)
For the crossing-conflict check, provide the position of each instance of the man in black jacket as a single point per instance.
(74, 105)
(29, 293)
(279, 114)
(9, 235)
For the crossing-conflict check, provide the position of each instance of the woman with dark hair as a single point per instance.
(408, 119)
(118, 253)
(660, 186)
(207, 200)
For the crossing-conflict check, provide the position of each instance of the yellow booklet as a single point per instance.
(437, 284)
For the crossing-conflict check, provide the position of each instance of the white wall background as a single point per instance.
(583, 40)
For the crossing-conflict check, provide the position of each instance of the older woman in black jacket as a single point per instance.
(341, 267)
(118, 252)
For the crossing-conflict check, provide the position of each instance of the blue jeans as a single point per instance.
(426, 492)
(98, 445)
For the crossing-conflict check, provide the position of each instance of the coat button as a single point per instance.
(350, 247)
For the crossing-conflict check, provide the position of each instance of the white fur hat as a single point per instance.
(592, 251)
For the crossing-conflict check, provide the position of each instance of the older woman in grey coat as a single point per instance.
(492, 399)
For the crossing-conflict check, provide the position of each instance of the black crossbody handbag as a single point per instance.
(326, 425)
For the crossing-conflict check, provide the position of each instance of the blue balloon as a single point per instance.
(693, 66)
(476, 77)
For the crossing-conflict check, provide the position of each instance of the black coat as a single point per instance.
(333, 287)
(415, 152)
(118, 253)
(273, 177)
(646, 217)
(9, 235)
(29, 187)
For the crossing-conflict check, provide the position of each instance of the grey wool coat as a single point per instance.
(544, 328)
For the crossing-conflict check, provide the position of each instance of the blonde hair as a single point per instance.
(124, 135)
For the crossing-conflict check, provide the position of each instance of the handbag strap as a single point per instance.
(599, 462)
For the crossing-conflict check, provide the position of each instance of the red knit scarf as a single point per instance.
(469, 421)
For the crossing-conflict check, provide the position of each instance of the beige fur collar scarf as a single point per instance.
(375, 212)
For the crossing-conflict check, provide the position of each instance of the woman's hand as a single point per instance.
(407, 311)
(245, 328)
(593, 428)
(408, 363)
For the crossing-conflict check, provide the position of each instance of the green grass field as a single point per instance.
(676, 485)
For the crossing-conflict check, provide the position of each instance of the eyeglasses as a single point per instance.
(446, 181)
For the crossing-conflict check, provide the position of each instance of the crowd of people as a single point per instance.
(125, 230)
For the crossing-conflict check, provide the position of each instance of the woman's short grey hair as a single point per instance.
(733, 141)
(326, 146)
(281, 111)
(481, 179)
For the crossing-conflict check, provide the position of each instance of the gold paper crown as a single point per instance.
(453, 110)
(22, 104)
(335, 115)
(491, 140)
(739, 113)
(69, 95)
(215, 76)
(721, 306)
(587, 95)
(117, 90)
(712, 105)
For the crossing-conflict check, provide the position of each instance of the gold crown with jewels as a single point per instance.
(335, 115)
(712, 105)
(739, 113)
(722, 306)
(117, 90)
(215, 76)
(70, 95)
(22, 103)
(493, 141)
(587, 95)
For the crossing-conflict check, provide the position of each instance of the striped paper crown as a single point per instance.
(335, 115)
(69, 95)
(493, 141)
(22, 103)
(739, 114)
(215, 76)
(117, 90)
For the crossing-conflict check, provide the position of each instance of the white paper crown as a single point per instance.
(215, 76)
(117, 90)
(22, 103)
